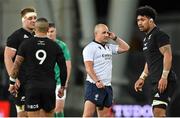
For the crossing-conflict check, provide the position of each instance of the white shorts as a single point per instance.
(58, 98)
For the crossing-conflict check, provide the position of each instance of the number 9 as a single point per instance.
(43, 57)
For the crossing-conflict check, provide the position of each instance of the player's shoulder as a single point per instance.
(27, 41)
(51, 42)
(16, 33)
(159, 32)
(60, 42)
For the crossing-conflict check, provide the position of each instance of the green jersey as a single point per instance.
(67, 57)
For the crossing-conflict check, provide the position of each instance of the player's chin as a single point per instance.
(141, 29)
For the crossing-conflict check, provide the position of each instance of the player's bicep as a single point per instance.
(166, 49)
(9, 52)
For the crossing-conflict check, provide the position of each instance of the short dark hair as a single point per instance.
(147, 11)
(41, 20)
(26, 10)
(51, 25)
(41, 25)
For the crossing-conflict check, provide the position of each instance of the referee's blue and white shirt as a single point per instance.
(101, 55)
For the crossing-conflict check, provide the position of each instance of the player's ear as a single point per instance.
(150, 20)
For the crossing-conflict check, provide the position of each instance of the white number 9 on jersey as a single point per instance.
(41, 55)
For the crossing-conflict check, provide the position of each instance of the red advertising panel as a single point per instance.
(4, 109)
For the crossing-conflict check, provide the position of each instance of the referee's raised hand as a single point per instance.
(112, 35)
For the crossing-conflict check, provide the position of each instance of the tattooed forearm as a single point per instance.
(15, 69)
(167, 57)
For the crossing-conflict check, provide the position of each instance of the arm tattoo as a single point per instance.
(165, 48)
(17, 63)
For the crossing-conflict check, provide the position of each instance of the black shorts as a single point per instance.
(162, 100)
(40, 98)
(99, 96)
(20, 98)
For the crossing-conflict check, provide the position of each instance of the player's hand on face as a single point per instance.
(99, 84)
(111, 35)
(162, 85)
(61, 92)
(138, 85)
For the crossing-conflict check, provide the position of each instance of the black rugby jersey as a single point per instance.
(41, 55)
(151, 44)
(14, 41)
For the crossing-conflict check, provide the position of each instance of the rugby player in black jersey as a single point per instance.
(28, 16)
(158, 66)
(41, 55)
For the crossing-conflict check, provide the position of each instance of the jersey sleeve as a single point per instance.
(62, 65)
(162, 39)
(12, 41)
(114, 48)
(22, 49)
(88, 53)
(66, 52)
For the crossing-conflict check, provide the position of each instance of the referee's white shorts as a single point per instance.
(58, 98)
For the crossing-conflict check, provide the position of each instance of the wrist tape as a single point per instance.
(143, 76)
(12, 80)
(165, 73)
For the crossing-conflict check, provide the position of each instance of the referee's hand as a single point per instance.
(99, 84)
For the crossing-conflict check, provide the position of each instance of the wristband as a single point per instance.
(165, 74)
(12, 80)
(115, 38)
(143, 76)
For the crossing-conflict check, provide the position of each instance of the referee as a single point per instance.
(98, 63)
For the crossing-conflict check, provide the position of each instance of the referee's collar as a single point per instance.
(98, 43)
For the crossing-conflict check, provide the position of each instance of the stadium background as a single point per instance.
(75, 20)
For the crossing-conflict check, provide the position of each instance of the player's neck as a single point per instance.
(151, 28)
(39, 34)
(29, 30)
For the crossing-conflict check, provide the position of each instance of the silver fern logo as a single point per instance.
(96, 97)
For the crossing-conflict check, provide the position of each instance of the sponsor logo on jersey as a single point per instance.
(96, 97)
(33, 106)
(107, 56)
(23, 98)
(149, 37)
(41, 42)
(157, 95)
(25, 36)
(145, 46)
